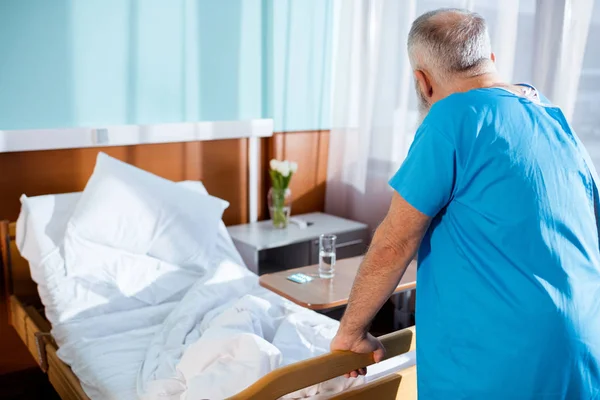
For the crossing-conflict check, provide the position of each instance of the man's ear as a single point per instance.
(493, 57)
(424, 82)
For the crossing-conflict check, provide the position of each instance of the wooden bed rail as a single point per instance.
(318, 369)
(7, 233)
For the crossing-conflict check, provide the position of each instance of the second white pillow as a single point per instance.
(129, 209)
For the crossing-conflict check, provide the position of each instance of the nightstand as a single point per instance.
(265, 249)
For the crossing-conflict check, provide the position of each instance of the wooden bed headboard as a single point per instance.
(176, 152)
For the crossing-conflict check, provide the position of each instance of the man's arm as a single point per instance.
(394, 245)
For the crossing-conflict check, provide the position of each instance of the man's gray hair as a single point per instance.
(448, 41)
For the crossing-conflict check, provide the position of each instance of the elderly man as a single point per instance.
(500, 198)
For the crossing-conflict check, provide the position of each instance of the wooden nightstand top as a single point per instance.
(324, 294)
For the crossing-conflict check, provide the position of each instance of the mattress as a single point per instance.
(223, 334)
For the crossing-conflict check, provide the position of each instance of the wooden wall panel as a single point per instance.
(227, 179)
(220, 164)
(310, 150)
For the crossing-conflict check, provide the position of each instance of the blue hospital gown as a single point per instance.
(508, 303)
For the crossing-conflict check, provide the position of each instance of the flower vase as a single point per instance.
(279, 201)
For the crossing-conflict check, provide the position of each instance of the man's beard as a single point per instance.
(423, 106)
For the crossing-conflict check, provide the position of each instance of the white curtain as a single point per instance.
(374, 107)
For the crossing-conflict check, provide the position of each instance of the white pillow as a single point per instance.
(42, 223)
(40, 234)
(126, 208)
(225, 248)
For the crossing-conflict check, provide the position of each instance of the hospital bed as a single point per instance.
(27, 315)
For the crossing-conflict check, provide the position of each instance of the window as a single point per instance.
(586, 118)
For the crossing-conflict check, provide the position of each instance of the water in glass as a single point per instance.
(327, 256)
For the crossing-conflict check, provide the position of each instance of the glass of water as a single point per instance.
(327, 256)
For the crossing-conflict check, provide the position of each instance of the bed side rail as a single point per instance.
(17, 278)
(5, 264)
(401, 385)
(318, 369)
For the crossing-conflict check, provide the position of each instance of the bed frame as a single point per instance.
(26, 315)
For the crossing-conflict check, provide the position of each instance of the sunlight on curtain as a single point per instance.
(374, 106)
(372, 109)
(586, 115)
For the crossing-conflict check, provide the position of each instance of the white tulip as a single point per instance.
(284, 168)
(274, 164)
(293, 167)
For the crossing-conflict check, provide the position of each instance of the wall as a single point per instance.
(105, 62)
(95, 62)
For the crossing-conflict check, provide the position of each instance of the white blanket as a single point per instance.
(227, 333)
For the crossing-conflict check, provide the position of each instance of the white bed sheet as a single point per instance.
(228, 332)
(122, 352)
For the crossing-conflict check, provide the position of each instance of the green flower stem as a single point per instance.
(279, 214)
(279, 218)
(279, 184)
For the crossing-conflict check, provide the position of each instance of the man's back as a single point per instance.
(509, 271)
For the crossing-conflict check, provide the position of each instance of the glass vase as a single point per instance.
(279, 201)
